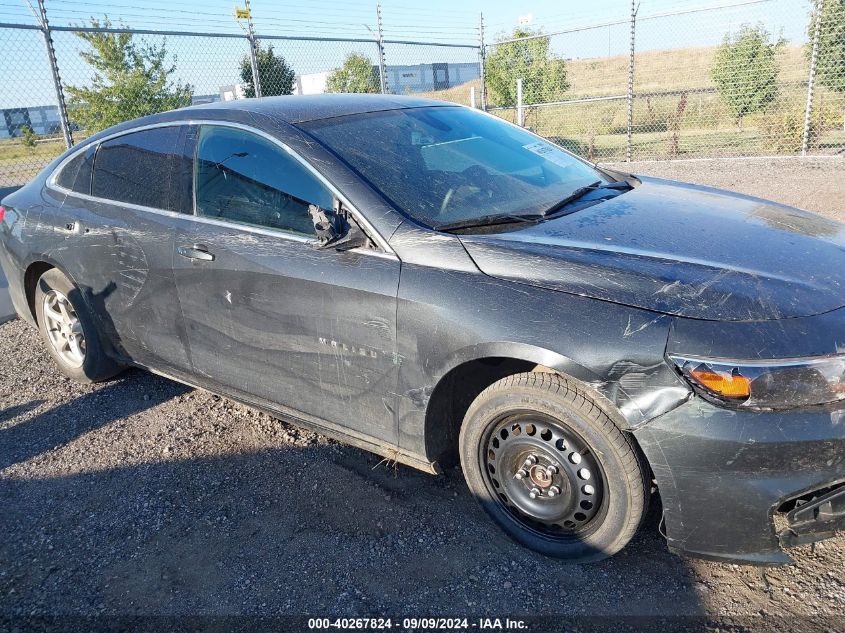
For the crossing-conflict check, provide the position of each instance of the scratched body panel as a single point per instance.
(123, 263)
(363, 343)
(284, 321)
(451, 313)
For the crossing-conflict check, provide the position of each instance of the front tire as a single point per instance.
(548, 464)
(69, 331)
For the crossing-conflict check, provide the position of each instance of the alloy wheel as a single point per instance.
(64, 329)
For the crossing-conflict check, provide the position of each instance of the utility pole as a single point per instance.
(54, 69)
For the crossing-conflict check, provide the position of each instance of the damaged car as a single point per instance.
(443, 288)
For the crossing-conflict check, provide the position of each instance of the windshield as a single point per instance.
(446, 165)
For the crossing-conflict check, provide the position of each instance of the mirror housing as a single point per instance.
(354, 238)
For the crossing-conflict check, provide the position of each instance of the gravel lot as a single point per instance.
(141, 496)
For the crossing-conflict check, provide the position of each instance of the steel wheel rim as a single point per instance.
(522, 486)
(64, 329)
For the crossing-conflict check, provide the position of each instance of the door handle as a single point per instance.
(75, 228)
(197, 251)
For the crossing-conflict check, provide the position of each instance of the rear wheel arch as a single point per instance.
(31, 276)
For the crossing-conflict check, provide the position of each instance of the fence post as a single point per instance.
(253, 53)
(57, 80)
(382, 70)
(818, 8)
(631, 81)
(472, 96)
(520, 110)
(481, 62)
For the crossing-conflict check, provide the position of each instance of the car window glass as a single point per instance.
(444, 164)
(76, 174)
(242, 177)
(138, 168)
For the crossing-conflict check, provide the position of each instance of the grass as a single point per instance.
(19, 163)
(663, 126)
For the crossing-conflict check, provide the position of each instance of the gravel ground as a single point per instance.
(140, 496)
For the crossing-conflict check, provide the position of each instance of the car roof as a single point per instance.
(301, 108)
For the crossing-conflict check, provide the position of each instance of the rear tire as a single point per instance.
(69, 330)
(548, 464)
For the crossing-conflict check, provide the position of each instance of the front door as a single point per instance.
(268, 314)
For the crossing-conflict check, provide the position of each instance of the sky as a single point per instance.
(210, 63)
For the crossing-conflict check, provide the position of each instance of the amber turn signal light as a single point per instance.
(733, 385)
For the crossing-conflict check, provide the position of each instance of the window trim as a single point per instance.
(368, 228)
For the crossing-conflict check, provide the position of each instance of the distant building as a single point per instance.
(233, 92)
(198, 99)
(42, 120)
(401, 79)
(428, 77)
(313, 84)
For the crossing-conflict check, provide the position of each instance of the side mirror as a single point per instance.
(354, 238)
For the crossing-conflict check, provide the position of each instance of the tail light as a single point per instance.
(2, 212)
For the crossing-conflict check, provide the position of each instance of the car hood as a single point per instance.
(680, 249)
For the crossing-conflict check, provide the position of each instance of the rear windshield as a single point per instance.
(440, 165)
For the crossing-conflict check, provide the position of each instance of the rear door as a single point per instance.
(268, 314)
(119, 239)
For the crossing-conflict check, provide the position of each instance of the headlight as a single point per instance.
(775, 384)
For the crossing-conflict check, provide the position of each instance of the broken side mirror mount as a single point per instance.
(326, 224)
(354, 238)
(335, 231)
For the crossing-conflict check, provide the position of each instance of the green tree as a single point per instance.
(830, 64)
(358, 74)
(130, 80)
(543, 74)
(275, 73)
(28, 136)
(745, 71)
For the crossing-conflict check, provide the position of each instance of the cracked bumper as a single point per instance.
(723, 475)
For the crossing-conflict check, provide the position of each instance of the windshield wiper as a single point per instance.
(515, 218)
(581, 192)
(489, 220)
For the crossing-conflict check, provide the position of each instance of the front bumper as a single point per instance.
(726, 477)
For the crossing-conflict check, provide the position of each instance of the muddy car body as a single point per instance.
(646, 334)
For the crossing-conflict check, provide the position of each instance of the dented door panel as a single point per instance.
(122, 260)
(277, 319)
(450, 313)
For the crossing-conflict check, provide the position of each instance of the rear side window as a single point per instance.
(245, 178)
(76, 174)
(140, 168)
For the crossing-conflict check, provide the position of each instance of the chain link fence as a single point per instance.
(727, 81)
(752, 78)
(195, 68)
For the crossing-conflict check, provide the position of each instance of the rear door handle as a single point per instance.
(197, 251)
(75, 228)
